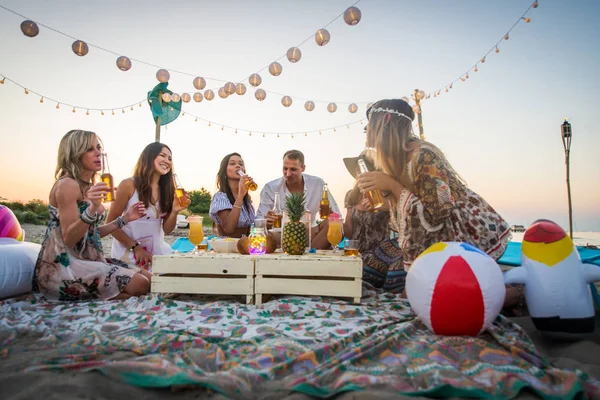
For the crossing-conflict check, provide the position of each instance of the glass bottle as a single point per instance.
(374, 195)
(257, 241)
(180, 191)
(324, 204)
(277, 211)
(107, 178)
(251, 185)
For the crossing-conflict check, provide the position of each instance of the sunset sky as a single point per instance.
(500, 129)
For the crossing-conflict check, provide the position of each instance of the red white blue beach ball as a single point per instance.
(455, 289)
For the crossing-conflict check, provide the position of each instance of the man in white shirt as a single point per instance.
(295, 181)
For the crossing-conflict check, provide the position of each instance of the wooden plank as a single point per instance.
(168, 284)
(308, 287)
(202, 265)
(302, 267)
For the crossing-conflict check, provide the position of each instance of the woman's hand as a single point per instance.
(377, 180)
(135, 211)
(95, 195)
(180, 204)
(142, 257)
(242, 188)
(366, 204)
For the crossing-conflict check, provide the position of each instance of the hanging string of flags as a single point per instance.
(352, 16)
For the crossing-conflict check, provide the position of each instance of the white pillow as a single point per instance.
(17, 262)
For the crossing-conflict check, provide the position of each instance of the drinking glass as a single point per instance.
(195, 234)
(334, 234)
(351, 247)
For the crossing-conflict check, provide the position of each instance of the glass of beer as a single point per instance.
(351, 247)
(107, 178)
(251, 185)
(195, 234)
(374, 196)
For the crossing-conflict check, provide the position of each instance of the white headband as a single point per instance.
(389, 110)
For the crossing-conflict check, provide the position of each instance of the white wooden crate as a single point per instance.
(210, 273)
(309, 274)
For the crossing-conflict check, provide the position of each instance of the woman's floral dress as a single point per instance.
(80, 273)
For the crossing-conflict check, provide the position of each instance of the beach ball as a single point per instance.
(455, 289)
(9, 225)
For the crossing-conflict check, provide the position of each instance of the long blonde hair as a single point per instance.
(72, 146)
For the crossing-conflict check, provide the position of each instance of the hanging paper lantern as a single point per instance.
(294, 54)
(309, 105)
(255, 80)
(352, 16)
(286, 101)
(163, 75)
(186, 98)
(199, 83)
(209, 95)
(222, 93)
(506, 37)
(275, 68)
(527, 20)
(29, 28)
(123, 63)
(80, 48)
(260, 94)
(166, 97)
(405, 99)
(175, 98)
(322, 37)
(198, 97)
(483, 60)
(535, 4)
(420, 95)
(353, 108)
(331, 107)
(497, 49)
(240, 89)
(229, 88)
(369, 105)
(448, 268)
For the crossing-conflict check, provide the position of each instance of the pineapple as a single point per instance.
(295, 234)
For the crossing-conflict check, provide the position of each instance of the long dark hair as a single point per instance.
(143, 172)
(223, 184)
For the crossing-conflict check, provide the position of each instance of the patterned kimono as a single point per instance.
(80, 273)
(441, 208)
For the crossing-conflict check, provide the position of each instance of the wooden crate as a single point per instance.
(210, 273)
(309, 274)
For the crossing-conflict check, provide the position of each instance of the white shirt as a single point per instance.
(313, 190)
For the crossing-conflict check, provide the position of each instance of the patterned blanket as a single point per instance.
(318, 346)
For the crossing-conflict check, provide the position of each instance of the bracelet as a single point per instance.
(237, 207)
(87, 217)
(120, 222)
(132, 248)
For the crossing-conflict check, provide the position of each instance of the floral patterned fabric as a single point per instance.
(80, 273)
(441, 208)
(369, 228)
(314, 345)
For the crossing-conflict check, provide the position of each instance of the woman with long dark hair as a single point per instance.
(231, 208)
(152, 184)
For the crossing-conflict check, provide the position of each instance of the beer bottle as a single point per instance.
(373, 195)
(179, 191)
(324, 204)
(277, 211)
(107, 178)
(251, 185)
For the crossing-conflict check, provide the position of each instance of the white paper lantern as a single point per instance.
(275, 68)
(29, 28)
(309, 105)
(294, 54)
(322, 37)
(175, 98)
(209, 95)
(229, 88)
(352, 16)
(166, 97)
(198, 97)
(163, 75)
(420, 95)
(80, 48)
(416, 109)
(286, 101)
(240, 89)
(255, 80)
(186, 98)
(223, 93)
(260, 94)
(353, 108)
(331, 107)
(123, 63)
(199, 83)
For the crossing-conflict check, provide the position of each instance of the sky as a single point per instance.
(500, 129)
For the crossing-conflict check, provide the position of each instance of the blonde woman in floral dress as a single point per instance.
(71, 265)
(430, 202)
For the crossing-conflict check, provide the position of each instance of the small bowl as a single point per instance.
(224, 245)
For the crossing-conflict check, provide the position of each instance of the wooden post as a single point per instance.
(157, 135)
(566, 135)
(419, 115)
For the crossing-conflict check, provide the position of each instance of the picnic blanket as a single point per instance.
(314, 345)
